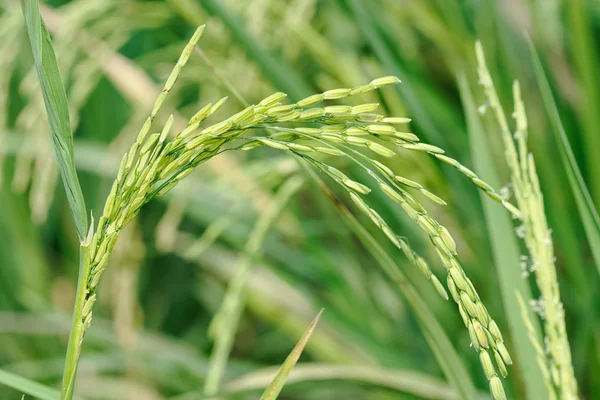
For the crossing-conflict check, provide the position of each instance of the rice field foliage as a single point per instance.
(419, 175)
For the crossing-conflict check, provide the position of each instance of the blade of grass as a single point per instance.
(586, 61)
(272, 391)
(29, 387)
(55, 100)
(585, 204)
(413, 382)
(447, 357)
(506, 253)
(225, 323)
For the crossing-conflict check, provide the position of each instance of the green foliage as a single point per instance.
(370, 237)
(583, 199)
(57, 109)
(272, 391)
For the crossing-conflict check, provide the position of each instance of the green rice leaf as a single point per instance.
(585, 204)
(401, 380)
(506, 253)
(29, 387)
(273, 390)
(57, 109)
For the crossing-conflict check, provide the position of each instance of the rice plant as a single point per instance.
(393, 203)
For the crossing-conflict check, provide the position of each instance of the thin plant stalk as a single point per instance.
(77, 325)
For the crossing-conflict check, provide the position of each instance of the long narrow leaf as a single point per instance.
(57, 109)
(585, 204)
(29, 387)
(272, 391)
(406, 381)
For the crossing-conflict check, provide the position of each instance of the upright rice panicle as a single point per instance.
(536, 234)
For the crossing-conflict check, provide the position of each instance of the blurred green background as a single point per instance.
(171, 267)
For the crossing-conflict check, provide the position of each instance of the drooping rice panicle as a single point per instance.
(155, 164)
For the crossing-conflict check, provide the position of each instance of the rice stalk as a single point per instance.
(155, 164)
(535, 233)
